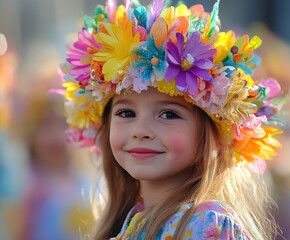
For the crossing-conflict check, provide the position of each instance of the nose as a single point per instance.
(143, 129)
(143, 136)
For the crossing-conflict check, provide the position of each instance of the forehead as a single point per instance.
(151, 96)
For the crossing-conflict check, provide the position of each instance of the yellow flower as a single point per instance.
(170, 14)
(117, 41)
(75, 118)
(71, 89)
(120, 12)
(168, 88)
(82, 112)
(237, 107)
(223, 45)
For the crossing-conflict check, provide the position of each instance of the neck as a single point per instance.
(155, 191)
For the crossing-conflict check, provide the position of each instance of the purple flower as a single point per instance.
(269, 110)
(188, 63)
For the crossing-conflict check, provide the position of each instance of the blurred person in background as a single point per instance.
(54, 201)
(7, 70)
(8, 64)
(275, 53)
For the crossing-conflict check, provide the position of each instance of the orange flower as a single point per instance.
(255, 146)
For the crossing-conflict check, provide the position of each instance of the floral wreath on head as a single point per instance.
(181, 52)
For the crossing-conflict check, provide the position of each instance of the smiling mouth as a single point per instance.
(143, 153)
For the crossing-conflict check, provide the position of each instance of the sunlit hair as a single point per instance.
(215, 176)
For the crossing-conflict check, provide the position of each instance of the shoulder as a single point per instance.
(215, 220)
(217, 207)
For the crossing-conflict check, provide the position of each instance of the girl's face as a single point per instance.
(153, 135)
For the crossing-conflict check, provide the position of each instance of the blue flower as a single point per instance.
(152, 60)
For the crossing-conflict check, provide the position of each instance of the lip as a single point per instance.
(143, 153)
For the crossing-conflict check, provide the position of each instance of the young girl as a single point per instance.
(180, 123)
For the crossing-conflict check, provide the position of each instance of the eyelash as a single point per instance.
(120, 113)
(123, 114)
(174, 115)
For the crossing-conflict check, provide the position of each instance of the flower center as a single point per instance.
(101, 17)
(86, 59)
(154, 61)
(187, 63)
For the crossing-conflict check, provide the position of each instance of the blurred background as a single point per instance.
(45, 184)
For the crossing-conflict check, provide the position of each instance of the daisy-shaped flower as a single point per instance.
(80, 56)
(237, 107)
(257, 143)
(118, 42)
(81, 109)
(152, 60)
(189, 64)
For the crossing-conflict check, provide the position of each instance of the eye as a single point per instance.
(169, 114)
(125, 113)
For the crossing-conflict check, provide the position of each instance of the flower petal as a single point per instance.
(172, 50)
(191, 81)
(146, 73)
(180, 43)
(181, 81)
(172, 72)
(204, 63)
(111, 67)
(171, 59)
(80, 70)
(201, 73)
(207, 54)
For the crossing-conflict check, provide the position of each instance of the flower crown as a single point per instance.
(181, 52)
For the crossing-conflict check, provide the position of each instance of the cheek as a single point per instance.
(116, 137)
(181, 141)
(117, 141)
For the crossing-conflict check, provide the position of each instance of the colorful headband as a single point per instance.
(181, 52)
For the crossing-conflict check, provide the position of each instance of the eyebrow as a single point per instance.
(162, 102)
(122, 101)
(165, 102)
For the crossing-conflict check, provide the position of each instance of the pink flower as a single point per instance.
(82, 137)
(250, 129)
(80, 56)
(213, 97)
(272, 86)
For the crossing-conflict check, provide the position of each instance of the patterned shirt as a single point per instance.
(211, 220)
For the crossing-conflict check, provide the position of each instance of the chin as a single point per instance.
(142, 175)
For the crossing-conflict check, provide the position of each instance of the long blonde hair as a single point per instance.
(215, 176)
